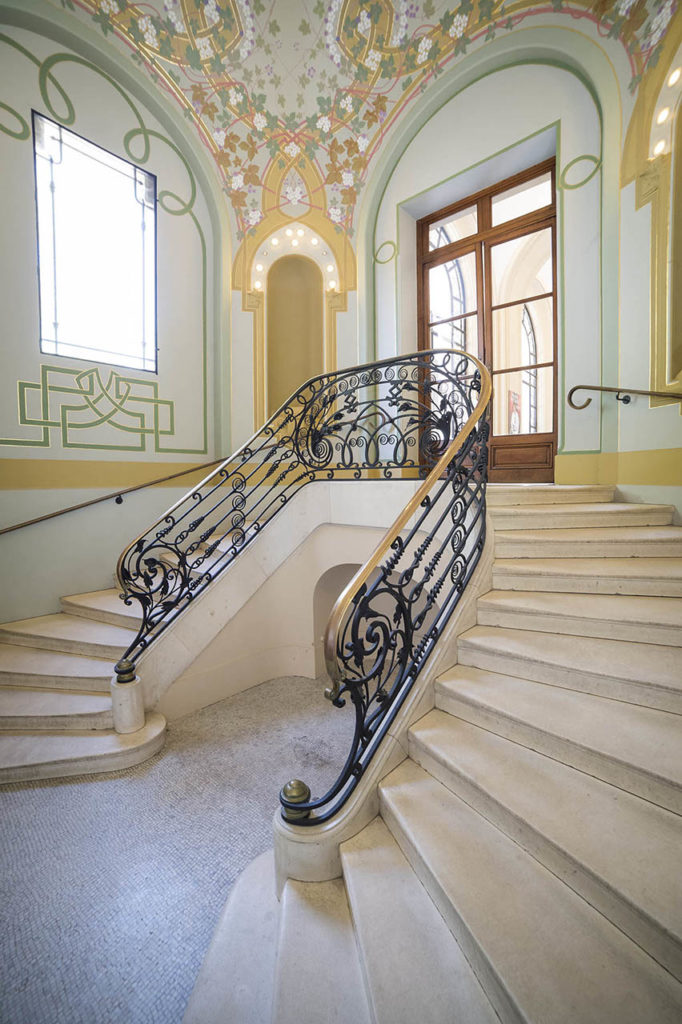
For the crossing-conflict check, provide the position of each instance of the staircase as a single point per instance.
(525, 863)
(56, 714)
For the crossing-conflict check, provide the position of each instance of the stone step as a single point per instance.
(596, 542)
(33, 755)
(414, 970)
(646, 620)
(69, 634)
(646, 674)
(579, 516)
(33, 667)
(654, 577)
(236, 977)
(103, 606)
(540, 951)
(635, 748)
(619, 852)
(549, 494)
(23, 708)
(318, 975)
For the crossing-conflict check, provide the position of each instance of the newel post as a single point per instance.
(127, 698)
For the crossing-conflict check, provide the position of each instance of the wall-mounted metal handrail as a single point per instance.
(622, 394)
(116, 495)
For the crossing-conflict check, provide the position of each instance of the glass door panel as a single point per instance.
(452, 288)
(523, 334)
(461, 333)
(523, 401)
(522, 267)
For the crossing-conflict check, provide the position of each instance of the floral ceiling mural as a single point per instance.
(294, 97)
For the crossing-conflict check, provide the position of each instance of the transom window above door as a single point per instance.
(487, 284)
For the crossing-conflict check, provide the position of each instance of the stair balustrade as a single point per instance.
(422, 415)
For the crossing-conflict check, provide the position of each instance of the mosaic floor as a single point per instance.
(112, 884)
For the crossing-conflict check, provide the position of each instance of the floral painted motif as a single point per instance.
(314, 92)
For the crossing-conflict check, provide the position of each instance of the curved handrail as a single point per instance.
(622, 394)
(377, 417)
(375, 653)
(116, 495)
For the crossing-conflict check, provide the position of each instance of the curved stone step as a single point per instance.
(637, 749)
(33, 667)
(646, 620)
(69, 634)
(595, 542)
(653, 577)
(646, 674)
(26, 756)
(547, 494)
(619, 852)
(103, 606)
(580, 515)
(414, 970)
(23, 708)
(517, 922)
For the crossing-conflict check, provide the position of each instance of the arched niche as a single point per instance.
(295, 327)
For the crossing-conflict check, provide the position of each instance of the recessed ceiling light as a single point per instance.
(275, 241)
(288, 232)
(258, 284)
(659, 147)
(663, 115)
(314, 241)
(332, 285)
(674, 77)
(259, 267)
(330, 268)
(294, 241)
(300, 232)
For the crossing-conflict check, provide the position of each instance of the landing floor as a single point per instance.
(112, 884)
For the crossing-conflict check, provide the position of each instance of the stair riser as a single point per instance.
(560, 519)
(624, 776)
(645, 633)
(63, 646)
(498, 495)
(101, 615)
(644, 930)
(94, 684)
(83, 765)
(492, 984)
(587, 585)
(519, 547)
(56, 723)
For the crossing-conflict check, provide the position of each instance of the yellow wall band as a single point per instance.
(69, 474)
(658, 467)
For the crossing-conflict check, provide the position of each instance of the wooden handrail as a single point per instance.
(622, 394)
(117, 495)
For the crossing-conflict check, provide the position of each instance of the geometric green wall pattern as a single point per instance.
(127, 410)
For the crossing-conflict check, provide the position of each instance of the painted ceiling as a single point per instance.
(293, 97)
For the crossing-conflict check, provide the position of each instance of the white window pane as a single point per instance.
(452, 288)
(523, 199)
(453, 228)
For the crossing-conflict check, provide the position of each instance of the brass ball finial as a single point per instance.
(296, 792)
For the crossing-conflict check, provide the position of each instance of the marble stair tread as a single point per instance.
(33, 755)
(541, 951)
(103, 606)
(648, 620)
(635, 748)
(35, 667)
(621, 853)
(236, 977)
(318, 977)
(25, 708)
(69, 634)
(582, 515)
(647, 674)
(590, 542)
(550, 494)
(656, 577)
(413, 967)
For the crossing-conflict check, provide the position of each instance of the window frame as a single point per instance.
(95, 356)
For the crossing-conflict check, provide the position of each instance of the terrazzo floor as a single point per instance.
(112, 884)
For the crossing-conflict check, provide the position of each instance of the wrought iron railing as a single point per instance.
(396, 415)
(389, 618)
